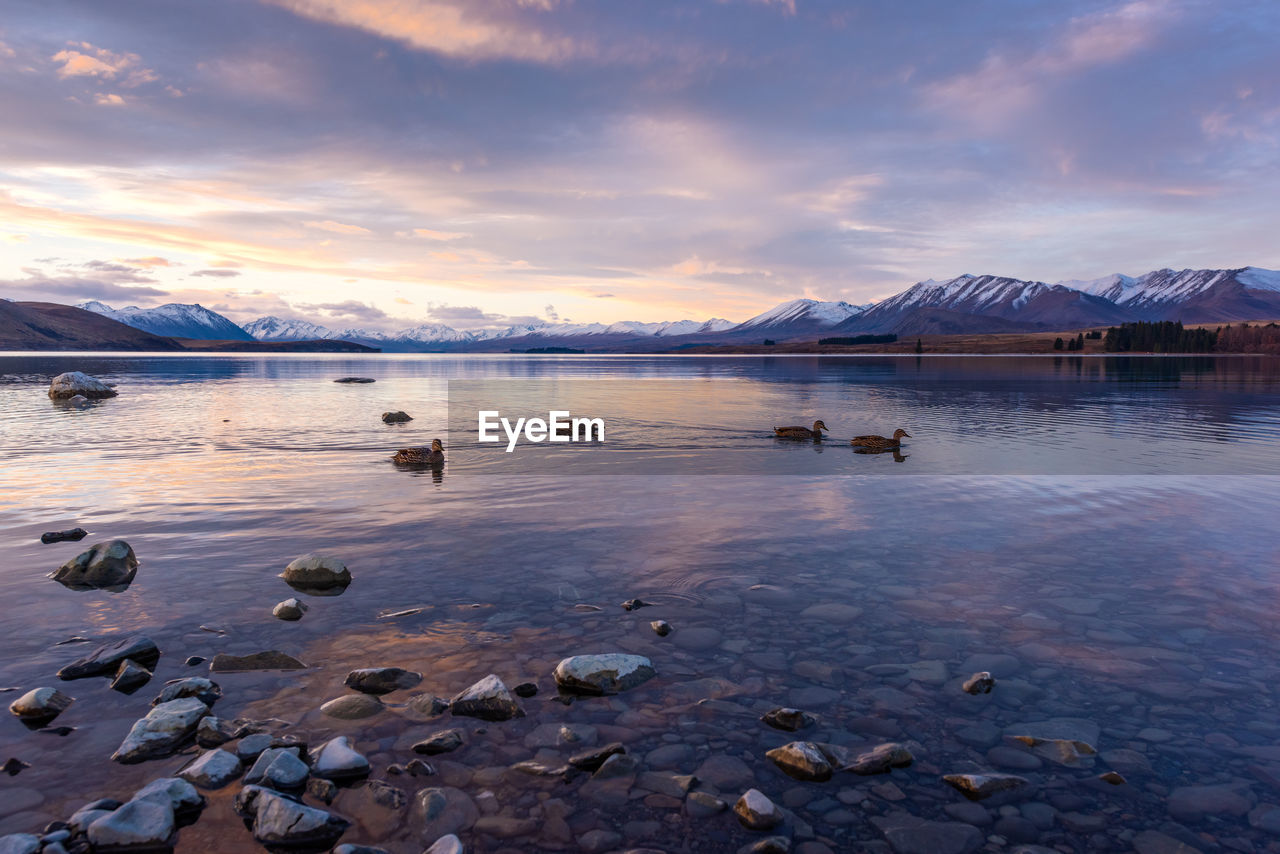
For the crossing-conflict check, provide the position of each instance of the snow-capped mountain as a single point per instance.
(273, 328)
(1205, 296)
(801, 313)
(174, 320)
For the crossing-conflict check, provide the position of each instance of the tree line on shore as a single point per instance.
(1170, 336)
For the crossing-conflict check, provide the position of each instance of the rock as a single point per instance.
(213, 732)
(802, 760)
(109, 564)
(348, 848)
(786, 719)
(137, 826)
(336, 759)
(1155, 842)
(70, 384)
(290, 610)
(592, 758)
(73, 535)
(356, 380)
(14, 766)
(1064, 751)
(878, 760)
(106, 659)
(397, 417)
(212, 769)
(661, 628)
(1265, 817)
(278, 768)
(268, 660)
(768, 845)
(252, 746)
(322, 790)
(425, 706)
(615, 767)
(382, 680)
(280, 821)
(907, 834)
(204, 690)
(977, 787)
(130, 677)
(20, 843)
(444, 810)
(40, 706)
(607, 673)
(193, 660)
(835, 612)
(445, 741)
(703, 804)
(1115, 778)
(1192, 803)
(725, 773)
(447, 844)
(979, 683)
(635, 604)
(526, 690)
(316, 572)
(179, 794)
(488, 700)
(1069, 729)
(756, 812)
(599, 840)
(165, 728)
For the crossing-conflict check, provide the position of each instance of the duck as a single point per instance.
(885, 442)
(801, 432)
(421, 456)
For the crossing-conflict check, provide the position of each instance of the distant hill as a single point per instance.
(49, 326)
(174, 320)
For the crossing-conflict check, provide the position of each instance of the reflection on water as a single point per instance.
(1142, 605)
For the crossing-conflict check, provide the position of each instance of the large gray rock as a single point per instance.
(40, 705)
(337, 760)
(204, 690)
(607, 673)
(105, 660)
(109, 564)
(72, 383)
(317, 571)
(179, 794)
(382, 680)
(278, 768)
(281, 821)
(488, 700)
(166, 727)
(137, 826)
(213, 769)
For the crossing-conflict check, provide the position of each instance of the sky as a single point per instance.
(477, 163)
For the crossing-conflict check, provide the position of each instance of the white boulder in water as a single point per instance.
(68, 385)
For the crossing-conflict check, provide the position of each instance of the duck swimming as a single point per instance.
(801, 432)
(880, 441)
(421, 456)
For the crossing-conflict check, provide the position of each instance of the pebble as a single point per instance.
(979, 787)
(488, 700)
(757, 812)
(130, 677)
(382, 680)
(606, 673)
(353, 707)
(316, 571)
(445, 741)
(789, 720)
(802, 760)
(290, 610)
(979, 683)
(661, 628)
(336, 759)
(204, 690)
(40, 705)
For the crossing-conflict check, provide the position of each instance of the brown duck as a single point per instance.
(885, 442)
(801, 432)
(421, 456)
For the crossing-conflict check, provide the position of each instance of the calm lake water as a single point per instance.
(1100, 534)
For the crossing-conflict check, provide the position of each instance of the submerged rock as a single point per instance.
(130, 677)
(635, 604)
(165, 728)
(789, 720)
(68, 385)
(316, 571)
(268, 660)
(979, 683)
(607, 673)
(337, 760)
(146, 825)
(977, 787)
(353, 707)
(289, 610)
(382, 680)
(106, 659)
(802, 760)
(1064, 751)
(397, 417)
(40, 706)
(445, 741)
(878, 760)
(757, 812)
(444, 810)
(488, 700)
(355, 380)
(109, 564)
(425, 706)
(661, 628)
(592, 758)
(281, 821)
(73, 535)
(908, 834)
(213, 769)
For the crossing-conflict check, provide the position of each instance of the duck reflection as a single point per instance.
(898, 456)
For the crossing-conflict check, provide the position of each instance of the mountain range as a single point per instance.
(963, 305)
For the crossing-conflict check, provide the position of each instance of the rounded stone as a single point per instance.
(353, 707)
(317, 570)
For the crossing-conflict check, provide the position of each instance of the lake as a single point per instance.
(1098, 533)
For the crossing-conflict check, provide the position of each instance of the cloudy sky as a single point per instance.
(392, 162)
